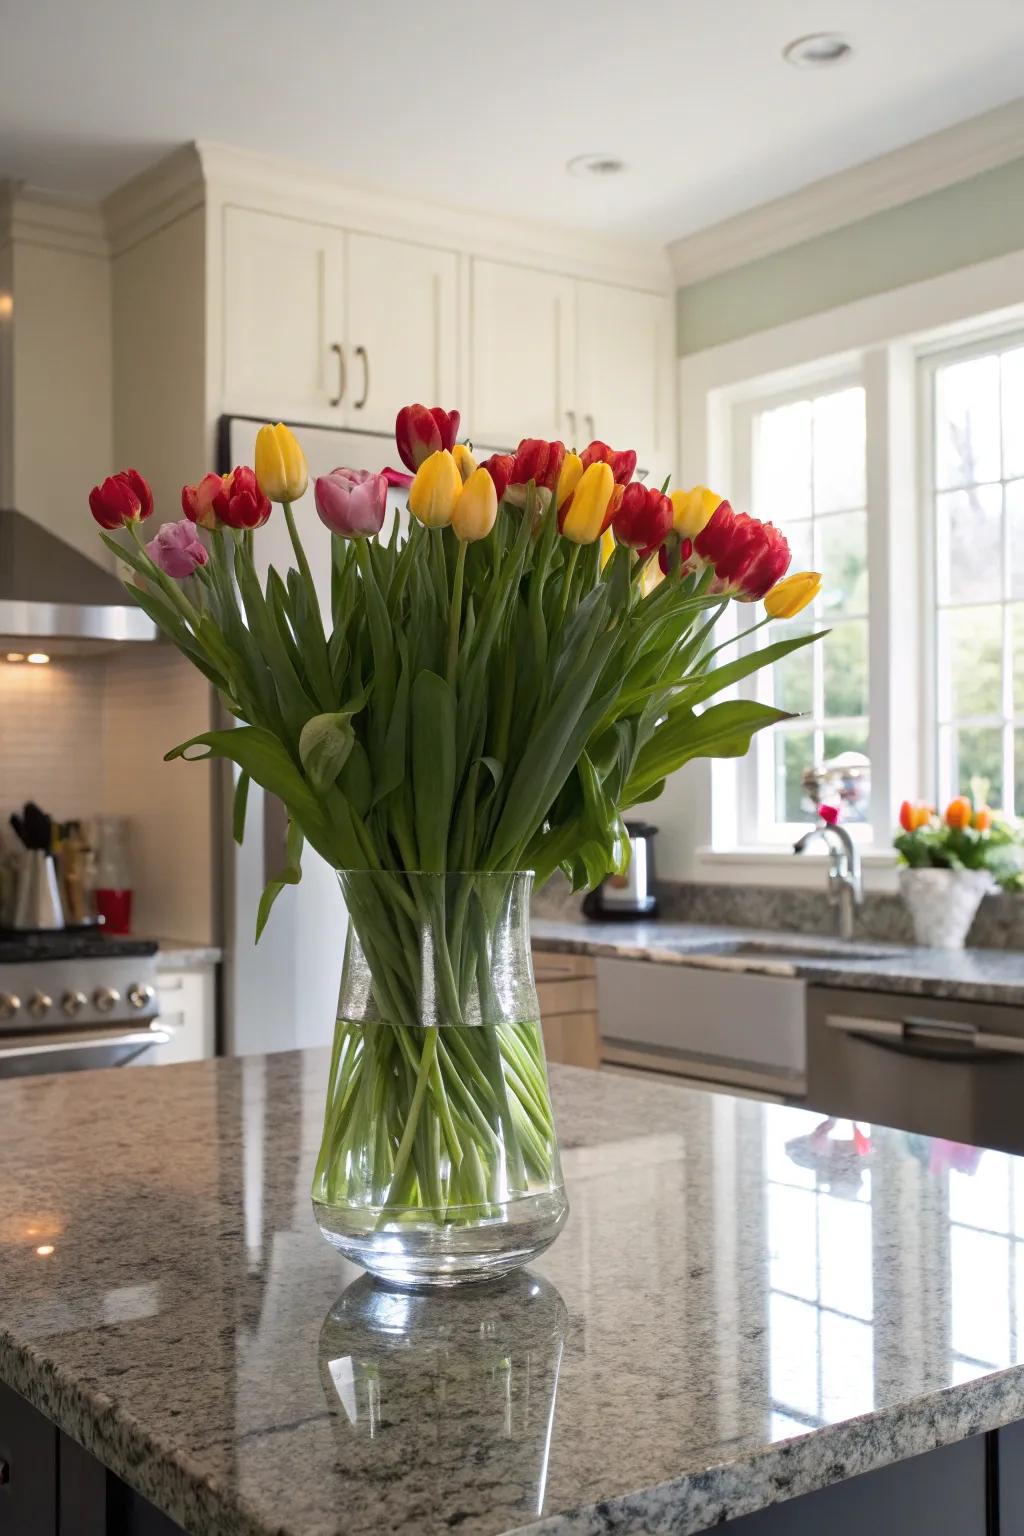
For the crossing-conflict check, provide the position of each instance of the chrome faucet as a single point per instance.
(845, 888)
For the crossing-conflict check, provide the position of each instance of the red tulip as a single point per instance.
(675, 554)
(351, 502)
(197, 500)
(499, 466)
(623, 462)
(177, 550)
(644, 518)
(538, 461)
(419, 432)
(748, 556)
(122, 498)
(240, 503)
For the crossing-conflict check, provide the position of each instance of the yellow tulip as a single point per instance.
(568, 479)
(476, 508)
(436, 489)
(584, 521)
(692, 510)
(280, 464)
(464, 460)
(792, 594)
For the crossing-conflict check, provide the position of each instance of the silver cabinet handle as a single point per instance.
(590, 429)
(364, 359)
(570, 417)
(919, 1032)
(337, 399)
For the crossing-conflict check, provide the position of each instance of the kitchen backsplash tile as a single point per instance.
(882, 918)
(50, 722)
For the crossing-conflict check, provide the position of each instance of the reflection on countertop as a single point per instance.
(966, 975)
(748, 1302)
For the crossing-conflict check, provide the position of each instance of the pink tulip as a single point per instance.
(352, 502)
(177, 550)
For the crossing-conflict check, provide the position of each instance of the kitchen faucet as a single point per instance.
(845, 889)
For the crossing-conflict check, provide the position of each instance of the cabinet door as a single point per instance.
(400, 330)
(624, 372)
(521, 354)
(283, 316)
(28, 1469)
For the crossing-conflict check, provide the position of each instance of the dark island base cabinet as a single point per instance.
(50, 1486)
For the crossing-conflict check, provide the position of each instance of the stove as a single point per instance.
(74, 998)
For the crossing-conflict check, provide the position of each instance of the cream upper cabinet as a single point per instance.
(284, 314)
(623, 372)
(522, 357)
(400, 330)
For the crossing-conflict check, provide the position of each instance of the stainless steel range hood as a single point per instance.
(50, 591)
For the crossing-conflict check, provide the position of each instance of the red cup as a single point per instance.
(115, 908)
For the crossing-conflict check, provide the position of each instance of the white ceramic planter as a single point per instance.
(943, 902)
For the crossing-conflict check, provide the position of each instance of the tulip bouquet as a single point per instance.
(486, 695)
(968, 836)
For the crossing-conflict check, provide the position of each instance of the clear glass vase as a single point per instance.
(439, 1161)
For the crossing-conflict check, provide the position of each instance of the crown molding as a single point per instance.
(31, 216)
(155, 198)
(218, 174)
(927, 165)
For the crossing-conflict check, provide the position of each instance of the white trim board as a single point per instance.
(927, 165)
(222, 174)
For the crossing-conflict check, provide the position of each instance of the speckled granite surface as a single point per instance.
(968, 975)
(744, 1305)
(186, 955)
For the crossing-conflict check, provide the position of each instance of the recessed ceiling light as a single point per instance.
(37, 658)
(817, 50)
(595, 165)
(15, 656)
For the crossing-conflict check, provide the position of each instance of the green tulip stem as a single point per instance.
(570, 567)
(455, 614)
(302, 563)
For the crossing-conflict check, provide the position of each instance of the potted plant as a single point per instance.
(950, 863)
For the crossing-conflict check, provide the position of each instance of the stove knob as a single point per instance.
(139, 994)
(39, 1004)
(73, 1002)
(105, 998)
(9, 1005)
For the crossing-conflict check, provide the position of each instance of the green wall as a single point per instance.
(968, 222)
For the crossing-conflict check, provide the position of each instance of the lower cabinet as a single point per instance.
(567, 991)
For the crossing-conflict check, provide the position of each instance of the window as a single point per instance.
(806, 473)
(975, 487)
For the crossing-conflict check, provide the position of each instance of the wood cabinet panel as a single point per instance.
(623, 372)
(521, 354)
(28, 1469)
(283, 316)
(400, 330)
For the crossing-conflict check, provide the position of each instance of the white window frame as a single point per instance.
(984, 341)
(757, 825)
(883, 335)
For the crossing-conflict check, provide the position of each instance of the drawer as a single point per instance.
(574, 995)
(556, 967)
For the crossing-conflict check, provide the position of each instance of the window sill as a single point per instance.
(781, 867)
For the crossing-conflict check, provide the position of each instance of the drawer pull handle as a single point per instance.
(5, 1473)
(938, 1039)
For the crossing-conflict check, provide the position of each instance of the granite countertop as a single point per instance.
(745, 1304)
(968, 975)
(185, 955)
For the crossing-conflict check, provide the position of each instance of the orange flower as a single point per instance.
(914, 814)
(982, 819)
(959, 813)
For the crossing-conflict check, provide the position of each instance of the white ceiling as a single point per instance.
(481, 104)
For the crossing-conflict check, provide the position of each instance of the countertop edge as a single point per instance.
(684, 1506)
(700, 1501)
(149, 1466)
(861, 976)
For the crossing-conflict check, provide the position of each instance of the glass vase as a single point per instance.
(439, 1161)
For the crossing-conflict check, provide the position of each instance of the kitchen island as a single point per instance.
(752, 1317)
